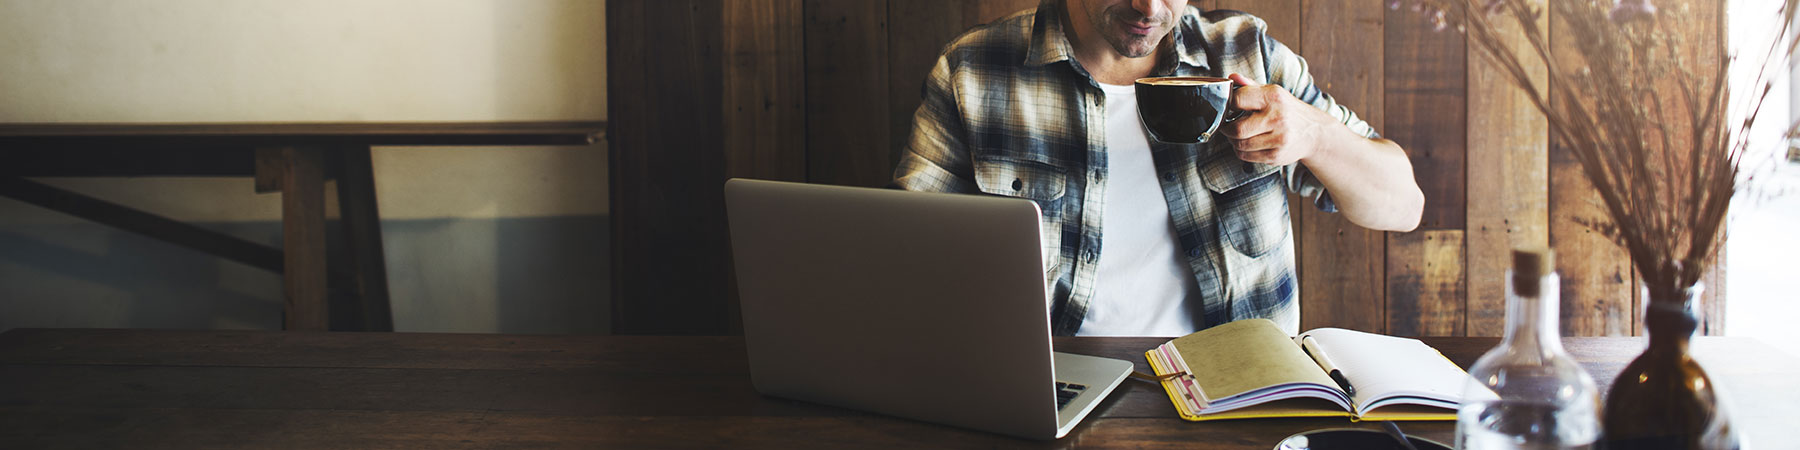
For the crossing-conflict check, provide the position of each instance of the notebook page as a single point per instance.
(1383, 366)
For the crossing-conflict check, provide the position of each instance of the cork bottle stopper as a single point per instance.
(1529, 266)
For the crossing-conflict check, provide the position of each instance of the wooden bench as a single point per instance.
(294, 159)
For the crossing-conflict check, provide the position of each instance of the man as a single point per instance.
(1141, 237)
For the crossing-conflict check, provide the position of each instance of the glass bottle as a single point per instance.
(1528, 393)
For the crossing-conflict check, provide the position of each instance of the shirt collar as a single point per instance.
(1050, 44)
(1190, 43)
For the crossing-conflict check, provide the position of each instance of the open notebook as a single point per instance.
(1250, 368)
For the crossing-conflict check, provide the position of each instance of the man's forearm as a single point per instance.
(1371, 180)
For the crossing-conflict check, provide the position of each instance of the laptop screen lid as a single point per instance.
(924, 306)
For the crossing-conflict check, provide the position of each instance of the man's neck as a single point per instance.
(1099, 58)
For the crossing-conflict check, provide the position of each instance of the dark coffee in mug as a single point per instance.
(1185, 110)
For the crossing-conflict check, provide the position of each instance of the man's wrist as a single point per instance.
(1330, 142)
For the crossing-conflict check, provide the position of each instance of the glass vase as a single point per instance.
(1663, 399)
(1527, 393)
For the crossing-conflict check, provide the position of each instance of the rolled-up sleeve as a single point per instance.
(1290, 71)
(936, 158)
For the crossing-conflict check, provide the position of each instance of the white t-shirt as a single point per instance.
(1143, 281)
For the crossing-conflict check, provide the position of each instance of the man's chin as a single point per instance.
(1135, 49)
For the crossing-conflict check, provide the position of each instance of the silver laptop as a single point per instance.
(924, 306)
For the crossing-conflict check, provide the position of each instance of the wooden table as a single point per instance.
(200, 389)
(293, 158)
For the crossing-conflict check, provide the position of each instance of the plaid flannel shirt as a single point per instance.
(1007, 110)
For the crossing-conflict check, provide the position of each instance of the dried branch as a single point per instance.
(1650, 132)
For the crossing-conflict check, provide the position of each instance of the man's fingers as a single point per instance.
(1256, 98)
(1248, 97)
(1273, 157)
(1259, 157)
(1279, 156)
(1253, 123)
(1259, 143)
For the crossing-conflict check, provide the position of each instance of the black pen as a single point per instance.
(1306, 345)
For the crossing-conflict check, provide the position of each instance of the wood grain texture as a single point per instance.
(764, 104)
(649, 355)
(847, 90)
(185, 427)
(1597, 278)
(268, 170)
(628, 168)
(303, 239)
(264, 134)
(1341, 283)
(1712, 303)
(918, 30)
(985, 11)
(1425, 283)
(1704, 29)
(1508, 181)
(1427, 113)
(664, 96)
(1596, 275)
(765, 90)
(360, 215)
(1282, 16)
(128, 160)
(149, 388)
(1698, 27)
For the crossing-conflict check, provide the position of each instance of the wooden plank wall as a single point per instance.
(824, 91)
(702, 91)
(1597, 286)
(664, 88)
(1427, 110)
(1508, 185)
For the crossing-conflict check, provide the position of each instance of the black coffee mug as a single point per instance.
(1185, 110)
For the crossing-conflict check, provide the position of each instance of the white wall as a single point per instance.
(1760, 240)
(478, 239)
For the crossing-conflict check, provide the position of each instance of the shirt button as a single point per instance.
(1249, 168)
(1098, 174)
(1169, 176)
(1018, 184)
(1193, 253)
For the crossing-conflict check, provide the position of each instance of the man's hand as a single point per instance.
(1277, 128)
(1370, 179)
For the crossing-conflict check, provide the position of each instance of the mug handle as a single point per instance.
(1232, 113)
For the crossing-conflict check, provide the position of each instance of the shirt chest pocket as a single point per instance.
(1011, 177)
(1250, 203)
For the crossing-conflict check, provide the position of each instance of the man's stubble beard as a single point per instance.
(1110, 28)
